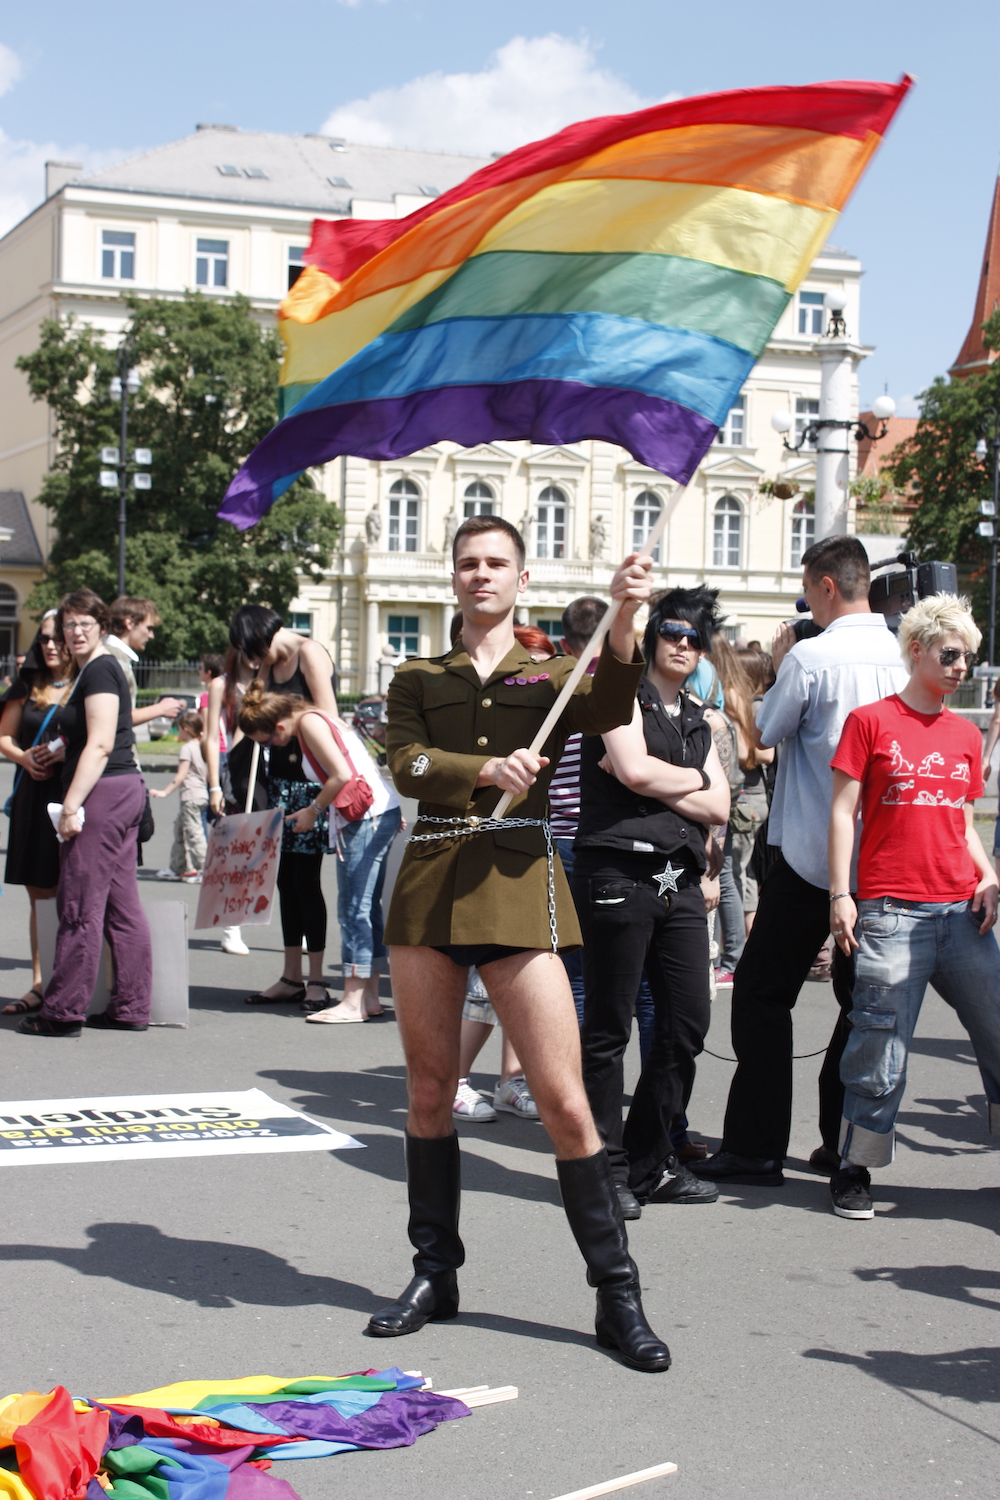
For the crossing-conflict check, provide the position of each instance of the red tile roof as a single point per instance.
(973, 356)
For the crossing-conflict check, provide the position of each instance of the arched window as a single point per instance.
(645, 514)
(404, 516)
(550, 526)
(727, 533)
(803, 529)
(479, 499)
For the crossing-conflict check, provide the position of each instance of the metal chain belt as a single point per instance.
(462, 827)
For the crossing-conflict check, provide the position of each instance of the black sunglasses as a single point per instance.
(949, 655)
(669, 630)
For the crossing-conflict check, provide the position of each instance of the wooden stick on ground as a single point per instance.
(485, 1397)
(593, 649)
(610, 1485)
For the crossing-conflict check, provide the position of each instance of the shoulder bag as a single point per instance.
(20, 770)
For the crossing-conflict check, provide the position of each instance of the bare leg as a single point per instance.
(532, 997)
(429, 991)
(510, 1064)
(371, 1001)
(291, 975)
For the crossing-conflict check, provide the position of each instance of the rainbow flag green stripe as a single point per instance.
(661, 289)
(615, 281)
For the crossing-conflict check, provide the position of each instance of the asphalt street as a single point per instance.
(814, 1358)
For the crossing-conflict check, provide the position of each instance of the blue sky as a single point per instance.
(98, 84)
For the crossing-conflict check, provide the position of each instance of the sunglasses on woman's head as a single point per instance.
(949, 655)
(669, 630)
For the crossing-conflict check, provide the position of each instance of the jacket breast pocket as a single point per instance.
(446, 711)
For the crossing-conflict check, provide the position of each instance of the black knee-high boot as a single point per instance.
(595, 1217)
(433, 1177)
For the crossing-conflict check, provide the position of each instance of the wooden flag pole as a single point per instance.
(252, 783)
(593, 649)
(610, 1485)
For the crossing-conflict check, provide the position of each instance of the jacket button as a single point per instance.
(487, 702)
(482, 740)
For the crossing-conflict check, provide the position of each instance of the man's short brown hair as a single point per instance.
(125, 608)
(844, 559)
(477, 525)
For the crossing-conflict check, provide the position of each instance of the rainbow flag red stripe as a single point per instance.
(617, 281)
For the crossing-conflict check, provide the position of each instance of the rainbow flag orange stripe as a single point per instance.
(615, 281)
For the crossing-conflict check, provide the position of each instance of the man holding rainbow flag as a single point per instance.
(616, 281)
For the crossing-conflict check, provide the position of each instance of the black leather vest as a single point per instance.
(613, 817)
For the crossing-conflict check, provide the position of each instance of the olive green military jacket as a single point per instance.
(444, 724)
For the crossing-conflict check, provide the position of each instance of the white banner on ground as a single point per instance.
(137, 1127)
(237, 884)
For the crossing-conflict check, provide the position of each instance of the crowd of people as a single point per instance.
(691, 822)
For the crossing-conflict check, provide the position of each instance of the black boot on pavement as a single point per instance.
(591, 1202)
(433, 1176)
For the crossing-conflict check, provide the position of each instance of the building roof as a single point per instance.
(315, 172)
(973, 357)
(22, 551)
(872, 454)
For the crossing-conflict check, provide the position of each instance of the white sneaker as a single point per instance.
(232, 942)
(166, 875)
(514, 1097)
(193, 879)
(470, 1105)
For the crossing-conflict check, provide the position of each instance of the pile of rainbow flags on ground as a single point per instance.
(204, 1439)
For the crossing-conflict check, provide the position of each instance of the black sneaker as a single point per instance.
(678, 1185)
(825, 1161)
(630, 1205)
(849, 1191)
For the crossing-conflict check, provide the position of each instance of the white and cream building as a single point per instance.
(226, 211)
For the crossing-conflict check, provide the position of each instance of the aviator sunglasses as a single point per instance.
(669, 630)
(949, 655)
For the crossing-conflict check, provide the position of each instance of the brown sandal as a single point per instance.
(24, 1007)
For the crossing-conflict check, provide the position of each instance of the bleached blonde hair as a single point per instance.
(934, 617)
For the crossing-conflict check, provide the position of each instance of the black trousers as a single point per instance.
(303, 909)
(792, 922)
(627, 927)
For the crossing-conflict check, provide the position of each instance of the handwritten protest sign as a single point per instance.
(237, 887)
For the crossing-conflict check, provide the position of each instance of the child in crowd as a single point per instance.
(187, 857)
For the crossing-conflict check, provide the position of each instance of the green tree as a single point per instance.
(948, 479)
(209, 394)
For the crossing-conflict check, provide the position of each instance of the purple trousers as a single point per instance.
(98, 899)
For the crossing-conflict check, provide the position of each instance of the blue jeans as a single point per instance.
(732, 927)
(906, 945)
(364, 846)
(572, 962)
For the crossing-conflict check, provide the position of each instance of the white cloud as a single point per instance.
(10, 68)
(531, 87)
(908, 406)
(22, 172)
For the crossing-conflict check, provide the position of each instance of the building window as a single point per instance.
(404, 634)
(479, 499)
(550, 526)
(805, 411)
(645, 514)
(211, 267)
(811, 313)
(733, 429)
(296, 263)
(117, 255)
(553, 629)
(300, 621)
(404, 516)
(803, 529)
(8, 628)
(727, 533)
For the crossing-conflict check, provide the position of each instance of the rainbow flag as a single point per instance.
(203, 1439)
(616, 281)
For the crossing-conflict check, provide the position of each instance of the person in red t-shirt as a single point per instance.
(926, 892)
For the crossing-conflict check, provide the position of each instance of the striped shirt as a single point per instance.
(564, 791)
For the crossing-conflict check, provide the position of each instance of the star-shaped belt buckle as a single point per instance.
(666, 879)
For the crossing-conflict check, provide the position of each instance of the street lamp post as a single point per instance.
(988, 509)
(126, 383)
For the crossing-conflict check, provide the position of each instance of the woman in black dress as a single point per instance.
(27, 719)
